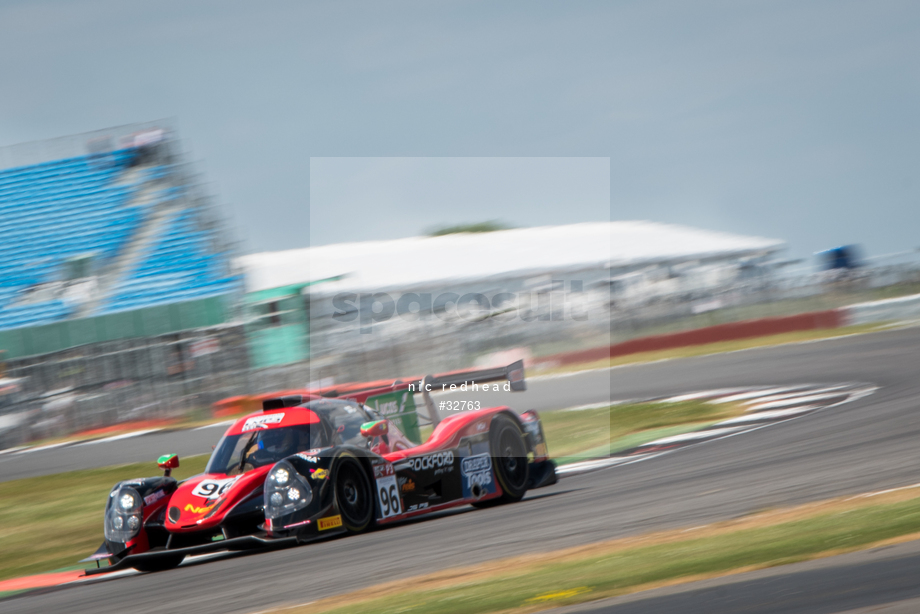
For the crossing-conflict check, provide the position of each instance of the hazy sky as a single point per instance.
(796, 120)
(372, 198)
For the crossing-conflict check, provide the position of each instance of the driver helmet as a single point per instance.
(277, 442)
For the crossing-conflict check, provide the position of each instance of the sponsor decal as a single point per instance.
(390, 408)
(475, 464)
(319, 474)
(262, 422)
(441, 460)
(415, 508)
(211, 489)
(315, 451)
(477, 471)
(483, 478)
(309, 459)
(409, 486)
(154, 497)
(383, 470)
(197, 510)
(481, 426)
(330, 522)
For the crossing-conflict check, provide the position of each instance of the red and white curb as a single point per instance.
(46, 580)
(764, 406)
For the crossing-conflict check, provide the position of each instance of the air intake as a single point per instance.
(281, 402)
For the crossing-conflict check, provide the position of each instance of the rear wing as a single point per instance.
(394, 399)
(513, 373)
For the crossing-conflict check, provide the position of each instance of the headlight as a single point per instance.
(280, 476)
(285, 491)
(123, 515)
(127, 501)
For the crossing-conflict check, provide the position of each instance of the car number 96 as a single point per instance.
(388, 495)
(213, 488)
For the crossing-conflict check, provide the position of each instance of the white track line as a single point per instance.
(703, 395)
(605, 463)
(883, 492)
(589, 465)
(857, 394)
(118, 437)
(594, 406)
(11, 450)
(801, 393)
(216, 424)
(795, 401)
(770, 415)
(754, 394)
(40, 448)
(705, 434)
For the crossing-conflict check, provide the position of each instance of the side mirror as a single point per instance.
(167, 463)
(374, 429)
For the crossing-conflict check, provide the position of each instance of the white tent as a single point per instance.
(419, 261)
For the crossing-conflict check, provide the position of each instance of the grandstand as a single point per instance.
(112, 230)
(116, 285)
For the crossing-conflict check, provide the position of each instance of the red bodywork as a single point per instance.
(202, 503)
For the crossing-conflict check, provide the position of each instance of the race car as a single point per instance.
(326, 462)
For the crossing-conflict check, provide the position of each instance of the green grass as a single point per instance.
(598, 432)
(617, 567)
(51, 522)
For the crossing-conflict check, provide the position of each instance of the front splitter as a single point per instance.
(235, 544)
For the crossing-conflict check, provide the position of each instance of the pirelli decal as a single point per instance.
(330, 522)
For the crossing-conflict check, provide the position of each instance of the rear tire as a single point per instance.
(353, 494)
(161, 563)
(509, 456)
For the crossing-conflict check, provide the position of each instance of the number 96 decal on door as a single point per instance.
(387, 491)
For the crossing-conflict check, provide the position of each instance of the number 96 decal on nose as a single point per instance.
(213, 488)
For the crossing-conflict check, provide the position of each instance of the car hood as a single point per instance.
(203, 501)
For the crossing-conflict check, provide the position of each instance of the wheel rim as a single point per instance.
(512, 457)
(353, 500)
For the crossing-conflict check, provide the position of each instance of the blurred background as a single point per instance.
(617, 172)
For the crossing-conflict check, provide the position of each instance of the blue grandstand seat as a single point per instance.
(53, 211)
(180, 267)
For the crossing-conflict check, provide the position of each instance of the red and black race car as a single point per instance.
(326, 462)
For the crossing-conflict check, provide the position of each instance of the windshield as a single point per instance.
(240, 453)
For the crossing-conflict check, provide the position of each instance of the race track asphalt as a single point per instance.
(881, 580)
(870, 444)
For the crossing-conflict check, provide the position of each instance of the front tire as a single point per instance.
(353, 494)
(509, 455)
